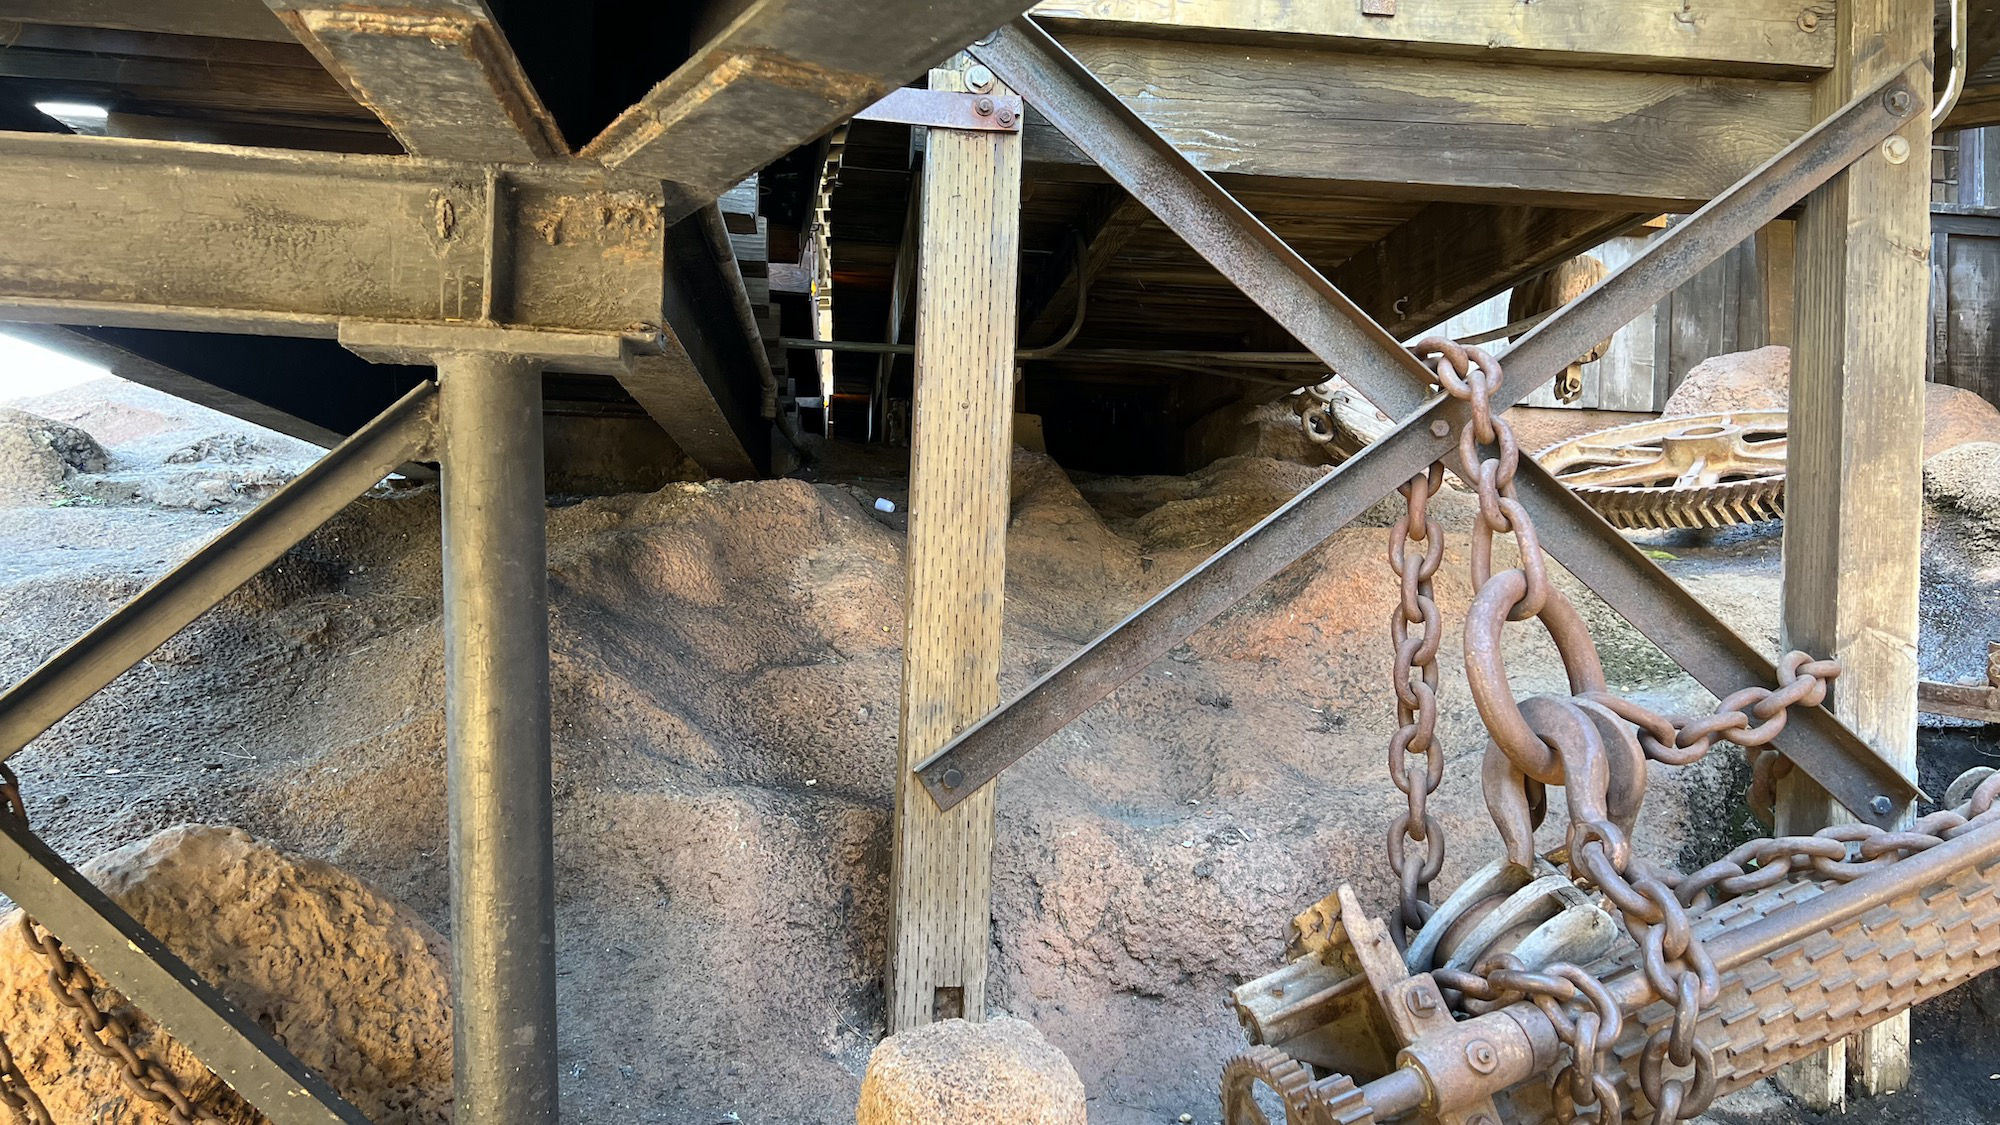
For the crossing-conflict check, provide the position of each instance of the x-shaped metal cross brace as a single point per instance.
(1334, 329)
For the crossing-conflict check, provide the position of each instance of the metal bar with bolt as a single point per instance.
(63, 682)
(240, 1052)
(1028, 61)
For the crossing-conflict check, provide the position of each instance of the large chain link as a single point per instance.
(107, 1033)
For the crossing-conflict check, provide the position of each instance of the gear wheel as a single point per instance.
(1333, 1100)
(1703, 470)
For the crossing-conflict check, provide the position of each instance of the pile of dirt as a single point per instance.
(725, 668)
(354, 985)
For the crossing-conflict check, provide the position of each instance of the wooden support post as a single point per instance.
(960, 450)
(1853, 512)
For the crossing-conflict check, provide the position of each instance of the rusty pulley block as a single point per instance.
(1588, 982)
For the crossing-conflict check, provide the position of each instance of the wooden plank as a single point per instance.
(777, 75)
(1854, 507)
(1452, 256)
(1746, 37)
(902, 284)
(1109, 221)
(439, 73)
(960, 452)
(1437, 128)
(222, 19)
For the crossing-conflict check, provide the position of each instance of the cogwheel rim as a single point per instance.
(1333, 1100)
(1720, 504)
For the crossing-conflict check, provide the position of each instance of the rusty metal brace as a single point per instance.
(1333, 328)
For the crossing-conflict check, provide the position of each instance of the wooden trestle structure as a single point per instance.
(326, 185)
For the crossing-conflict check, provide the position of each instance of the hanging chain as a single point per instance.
(108, 1033)
(1595, 745)
(1416, 759)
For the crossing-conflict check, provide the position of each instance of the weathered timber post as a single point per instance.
(1854, 504)
(961, 446)
(496, 641)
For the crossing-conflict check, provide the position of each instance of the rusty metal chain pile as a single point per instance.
(1595, 745)
(108, 1033)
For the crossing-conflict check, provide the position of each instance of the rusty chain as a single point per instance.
(1595, 745)
(1416, 759)
(107, 1033)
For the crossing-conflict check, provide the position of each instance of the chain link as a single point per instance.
(1416, 759)
(107, 1033)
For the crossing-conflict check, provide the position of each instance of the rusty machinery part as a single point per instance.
(1337, 416)
(1306, 1100)
(1703, 470)
(1826, 948)
(1545, 294)
(108, 1033)
(1592, 744)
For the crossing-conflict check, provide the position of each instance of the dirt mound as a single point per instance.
(1753, 380)
(352, 983)
(39, 456)
(725, 669)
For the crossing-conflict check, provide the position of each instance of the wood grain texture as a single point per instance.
(1434, 127)
(1853, 509)
(960, 450)
(1704, 36)
(439, 73)
(1452, 256)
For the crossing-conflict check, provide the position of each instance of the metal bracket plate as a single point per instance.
(947, 109)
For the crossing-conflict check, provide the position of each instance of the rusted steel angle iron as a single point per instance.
(399, 434)
(1273, 275)
(947, 109)
(133, 961)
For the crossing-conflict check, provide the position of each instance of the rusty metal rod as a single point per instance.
(235, 556)
(496, 648)
(1029, 61)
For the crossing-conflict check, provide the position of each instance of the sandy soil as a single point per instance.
(725, 660)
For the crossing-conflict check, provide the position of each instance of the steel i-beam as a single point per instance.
(496, 637)
(1272, 274)
(399, 434)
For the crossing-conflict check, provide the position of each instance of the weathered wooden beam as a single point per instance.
(1452, 256)
(221, 19)
(1108, 222)
(152, 234)
(1854, 504)
(1742, 37)
(1439, 128)
(781, 73)
(439, 73)
(961, 449)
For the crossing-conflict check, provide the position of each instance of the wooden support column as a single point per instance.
(1853, 511)
(961, 446)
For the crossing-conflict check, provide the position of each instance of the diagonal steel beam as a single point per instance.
(1287, 287)
(133, 961)
(400, 433)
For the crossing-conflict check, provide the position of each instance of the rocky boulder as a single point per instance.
(353, 983)
(37, 455)
(1001, 1072)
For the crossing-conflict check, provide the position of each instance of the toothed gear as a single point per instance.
(1703, 470)
(1333, 1100)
